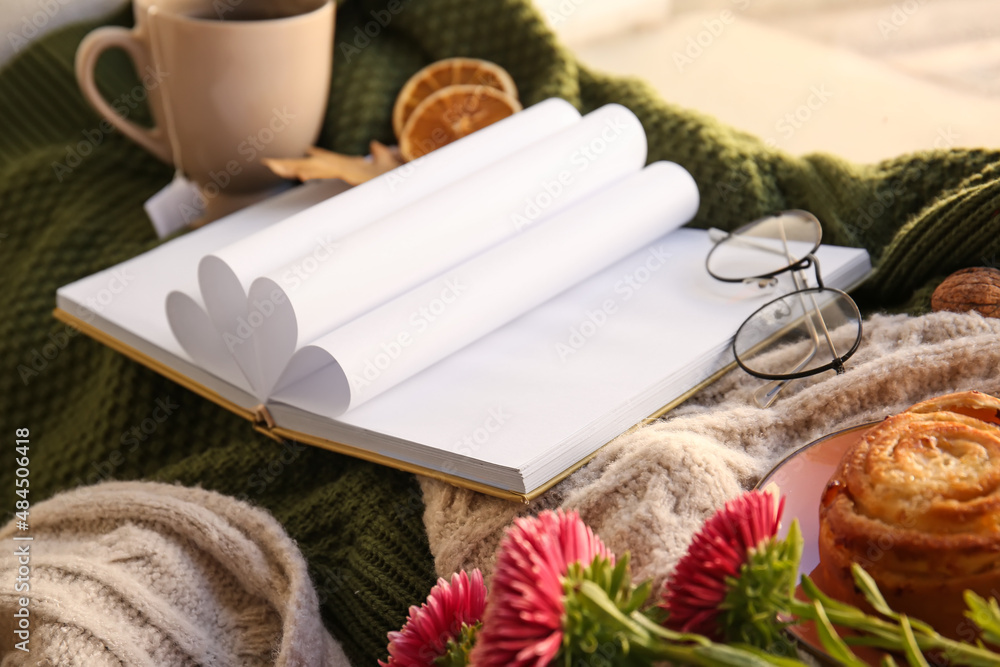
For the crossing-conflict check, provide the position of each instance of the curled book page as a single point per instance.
(393, 342)
(431, 235)
(305, 238)
(296, 307)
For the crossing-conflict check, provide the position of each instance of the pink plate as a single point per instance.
(801, 476)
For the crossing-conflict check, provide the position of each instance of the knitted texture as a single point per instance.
(71, 204)
(649, 491)
(140, 573)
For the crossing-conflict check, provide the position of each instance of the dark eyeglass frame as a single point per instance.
(802, 290)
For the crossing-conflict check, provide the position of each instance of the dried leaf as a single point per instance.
(324, 164)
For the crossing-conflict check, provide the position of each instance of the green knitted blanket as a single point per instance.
(93, 414)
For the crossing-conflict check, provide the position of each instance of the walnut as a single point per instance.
(969, 289)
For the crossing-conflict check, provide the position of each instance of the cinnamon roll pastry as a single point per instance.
(916, 502)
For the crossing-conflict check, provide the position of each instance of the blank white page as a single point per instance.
(580, 357)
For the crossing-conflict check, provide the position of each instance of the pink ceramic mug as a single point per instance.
(228, 82)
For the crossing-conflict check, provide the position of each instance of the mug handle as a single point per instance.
(93, 45)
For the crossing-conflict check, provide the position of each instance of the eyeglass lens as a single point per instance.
(804, 332)
(765, 247)
(794, 335)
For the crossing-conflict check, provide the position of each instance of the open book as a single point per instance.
(490, 314)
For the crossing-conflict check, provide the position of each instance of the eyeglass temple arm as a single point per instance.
(800, 284)
(766, 394)
(819, 317)
(715, 235)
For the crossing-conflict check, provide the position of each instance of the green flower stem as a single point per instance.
(832, 641)
(646, 640)
(898, 634)
(603, 608)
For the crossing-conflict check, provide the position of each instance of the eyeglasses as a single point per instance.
(802, 333)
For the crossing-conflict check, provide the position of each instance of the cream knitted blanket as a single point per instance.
(648, 491)
(147, 574)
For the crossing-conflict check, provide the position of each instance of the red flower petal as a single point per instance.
(428, 628)
(523, 622)
(697, 586)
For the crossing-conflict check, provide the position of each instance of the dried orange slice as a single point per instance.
(444, 73)
(451, 113)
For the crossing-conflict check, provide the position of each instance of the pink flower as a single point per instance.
(428, 629)
(523, 622)
(697, 588)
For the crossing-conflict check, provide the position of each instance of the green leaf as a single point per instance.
(866, 584)
(596, 598)
(639, 596)
(762, 594)
(985, 614)
(795, 545)
(869, 588)
(667, 634)
(914, 656)
(656, 613)
(832, 642)
(813, 592)
(620, 575)
(771, 658)
(722, 655)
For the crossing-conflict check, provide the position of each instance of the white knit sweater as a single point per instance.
(147, 574)
(648, 491)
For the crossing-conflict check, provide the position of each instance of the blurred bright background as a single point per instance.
(866, 79)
